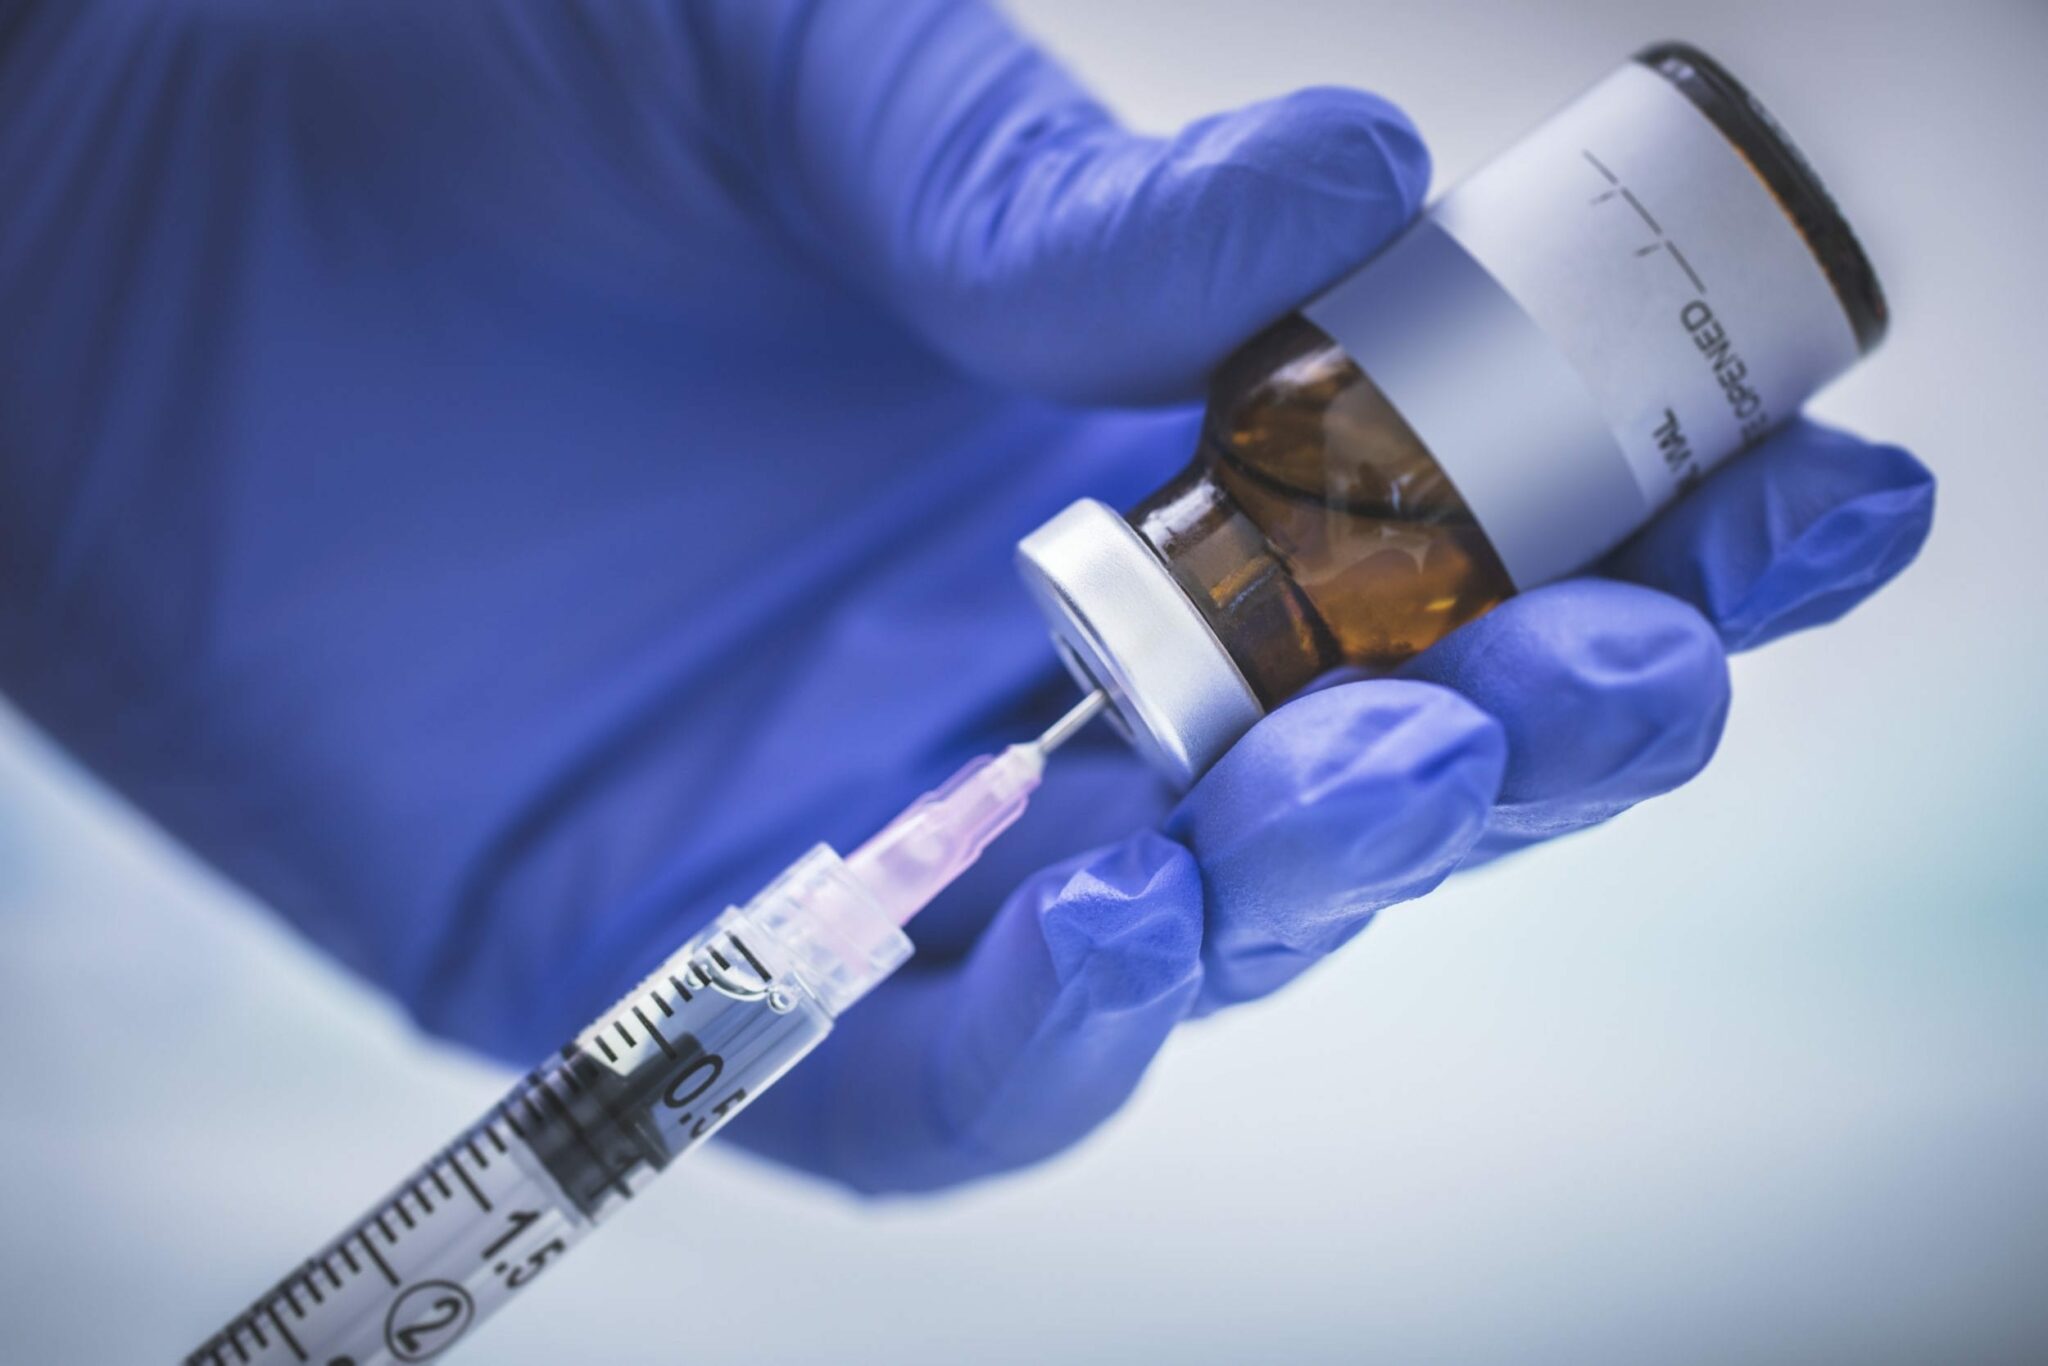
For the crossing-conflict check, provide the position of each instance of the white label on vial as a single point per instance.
(1658, 262)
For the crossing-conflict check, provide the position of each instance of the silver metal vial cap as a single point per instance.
(1124, 625)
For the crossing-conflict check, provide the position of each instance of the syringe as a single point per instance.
(708, 1031)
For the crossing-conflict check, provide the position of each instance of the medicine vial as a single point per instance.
(1560, 346)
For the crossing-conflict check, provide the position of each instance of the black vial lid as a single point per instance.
(1749, 126)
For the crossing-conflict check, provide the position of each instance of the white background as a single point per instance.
(1754, 1073)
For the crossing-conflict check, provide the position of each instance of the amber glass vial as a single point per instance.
(1558, 348)
(1314, 529)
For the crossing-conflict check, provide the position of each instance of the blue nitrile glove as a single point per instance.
(501, 479)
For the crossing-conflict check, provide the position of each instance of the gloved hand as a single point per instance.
(500, 480)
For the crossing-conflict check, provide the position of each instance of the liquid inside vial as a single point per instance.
(1313, 528)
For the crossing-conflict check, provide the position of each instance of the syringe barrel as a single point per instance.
(666, 1067)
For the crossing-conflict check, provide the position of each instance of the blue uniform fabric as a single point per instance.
(499, 480)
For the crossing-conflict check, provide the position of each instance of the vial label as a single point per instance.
(1636, 235)
(1628, 305)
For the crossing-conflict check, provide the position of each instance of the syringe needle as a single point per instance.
(1064, 729)
(912, 858)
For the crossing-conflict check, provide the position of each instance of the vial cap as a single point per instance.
(1124, 625)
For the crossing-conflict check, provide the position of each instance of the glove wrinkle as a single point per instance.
(1338, 804)
(1833, 563)
(1046, 1031)
(1608, 693)
(1790, 536)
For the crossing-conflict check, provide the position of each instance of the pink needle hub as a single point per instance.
(938, 836)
